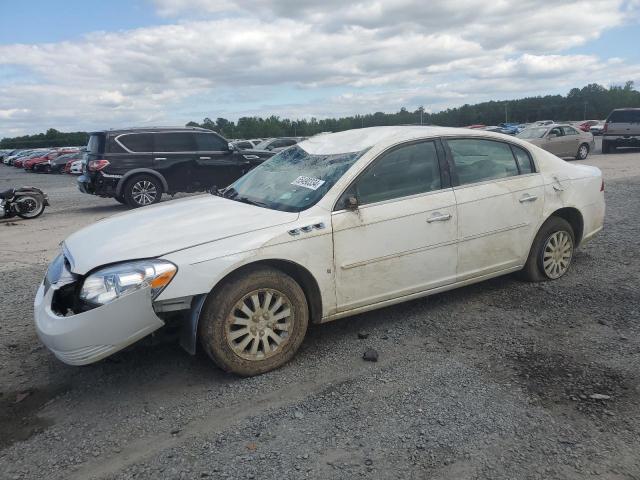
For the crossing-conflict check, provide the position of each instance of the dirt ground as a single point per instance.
(500, 380)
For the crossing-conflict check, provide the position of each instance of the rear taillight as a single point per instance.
(96, 165)
(606, 127)
(602, 186)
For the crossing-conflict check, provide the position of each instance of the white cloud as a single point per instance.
(379, 55)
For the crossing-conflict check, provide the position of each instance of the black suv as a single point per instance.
(137, 165)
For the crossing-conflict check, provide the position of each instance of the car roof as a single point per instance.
(350, 141)
(150, 130)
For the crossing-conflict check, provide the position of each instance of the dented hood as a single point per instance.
(167, 227)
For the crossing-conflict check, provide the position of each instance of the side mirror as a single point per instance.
(232, 147)
(351, 203)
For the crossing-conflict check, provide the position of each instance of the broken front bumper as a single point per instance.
(90, 336)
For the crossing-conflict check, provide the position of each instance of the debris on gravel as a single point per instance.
(370, 355)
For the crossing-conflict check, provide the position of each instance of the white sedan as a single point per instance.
(334, 226)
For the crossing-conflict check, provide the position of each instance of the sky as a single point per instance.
(93, 64)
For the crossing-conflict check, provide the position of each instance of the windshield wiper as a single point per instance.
(250, 202)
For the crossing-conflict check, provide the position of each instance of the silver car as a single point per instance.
(622, 129)
(561, 140)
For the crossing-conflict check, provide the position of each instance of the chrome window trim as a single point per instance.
(494, 180)
(117, 140)
(399, 199)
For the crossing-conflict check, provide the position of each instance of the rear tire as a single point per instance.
(583, 152)
(142, 190)
(33, 202)
(553, 247)
(255, 322)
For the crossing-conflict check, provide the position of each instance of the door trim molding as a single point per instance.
(362, 263)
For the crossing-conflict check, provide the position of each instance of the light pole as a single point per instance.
(585, 110)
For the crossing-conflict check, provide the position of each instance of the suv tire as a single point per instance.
(255, 322)
(142, 190)
(553, 246)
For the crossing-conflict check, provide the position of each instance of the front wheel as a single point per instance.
(583, 152)
(255, 322)
(551, 253)
(142, 190)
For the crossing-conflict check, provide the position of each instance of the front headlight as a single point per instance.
(110, 283)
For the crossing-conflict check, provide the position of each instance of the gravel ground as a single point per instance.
(500, 380)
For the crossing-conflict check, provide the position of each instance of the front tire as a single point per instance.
(142, 190)
(255, 322)
(583, 152)
(551, 253)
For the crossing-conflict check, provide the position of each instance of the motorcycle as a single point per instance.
(25, 202)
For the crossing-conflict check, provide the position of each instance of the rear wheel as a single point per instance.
(142, 190)
(551, 252)
(255, 322)
(29, 206)
(583, 152)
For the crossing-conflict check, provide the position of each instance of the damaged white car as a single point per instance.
(336, 225)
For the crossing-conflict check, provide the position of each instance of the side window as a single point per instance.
(570, 131)
(404, 171)
(137, 142)
(175, 142)
(210, 142)
(556, 131)
(477, 160)
(523, 159)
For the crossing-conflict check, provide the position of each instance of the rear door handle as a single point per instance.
(205, 158)
(439, 217)
(160, 158)
(528, 198)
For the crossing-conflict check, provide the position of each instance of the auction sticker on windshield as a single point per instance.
(308, 182)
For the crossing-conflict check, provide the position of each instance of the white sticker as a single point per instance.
(308, 182)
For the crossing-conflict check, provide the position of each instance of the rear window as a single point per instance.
(624, 116)
(137, 142)
(96, 143)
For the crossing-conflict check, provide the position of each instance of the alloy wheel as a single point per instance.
(557, 254)
(29, 207)
(583, 151)
(260, 324)
(144, 192)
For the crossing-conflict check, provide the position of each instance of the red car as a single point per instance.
(32, 162)
(586, 125)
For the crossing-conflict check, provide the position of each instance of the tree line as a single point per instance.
(52, 138)
(592, 101)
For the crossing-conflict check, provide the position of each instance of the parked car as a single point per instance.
(561, 140)
(75, 167)
(337, 225)
(243, 144)
(277, 144)
(621, 129)
(542, 123)
(136, 166)
(57, 164)
(19, 162)
(597, 129)
(40, 159)
(587, 124)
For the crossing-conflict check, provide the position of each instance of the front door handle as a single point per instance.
(528, 198)
(205, 158)
(160, 158)
(439, 217)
